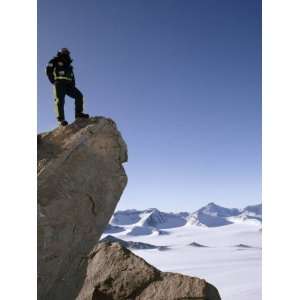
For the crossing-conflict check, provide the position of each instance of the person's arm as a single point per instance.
(50, 69)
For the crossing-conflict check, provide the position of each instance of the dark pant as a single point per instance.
(61, 89)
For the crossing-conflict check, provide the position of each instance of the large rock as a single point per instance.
(80, 181)
(115, 273)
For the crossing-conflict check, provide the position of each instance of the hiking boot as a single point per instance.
(81, 115)
(63, 123)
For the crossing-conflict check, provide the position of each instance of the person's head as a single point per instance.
(64, 52)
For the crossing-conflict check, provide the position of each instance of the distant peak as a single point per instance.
(127, 211)
(212, 204)
(151, 210)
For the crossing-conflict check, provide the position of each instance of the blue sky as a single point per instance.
(182, 79)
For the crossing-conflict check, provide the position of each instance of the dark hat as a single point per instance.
(64, 51)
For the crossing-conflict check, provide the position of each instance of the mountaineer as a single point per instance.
(60, 73)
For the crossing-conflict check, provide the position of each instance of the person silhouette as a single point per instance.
(60, 73)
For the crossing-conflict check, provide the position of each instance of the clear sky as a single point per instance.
(182, 80)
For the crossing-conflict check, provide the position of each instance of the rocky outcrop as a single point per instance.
(115, 273)
(133, 245)
(80, 181)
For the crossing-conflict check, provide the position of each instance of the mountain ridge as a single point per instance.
(154, 221)
(129, 210)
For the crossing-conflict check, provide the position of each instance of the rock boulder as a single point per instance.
(80, 181)
(115, 273)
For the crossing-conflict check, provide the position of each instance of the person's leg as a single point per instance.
(75, 93)
(59, 95)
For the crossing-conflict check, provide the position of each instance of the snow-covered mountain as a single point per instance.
(145, 222)
(149, 217)
(253, 211)
(215, 210)
(212, 215)
(152, 221)
(197, 244)
(250, 214)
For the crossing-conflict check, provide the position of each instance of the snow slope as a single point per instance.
(227, 256)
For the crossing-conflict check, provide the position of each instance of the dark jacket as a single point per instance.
(60, 68)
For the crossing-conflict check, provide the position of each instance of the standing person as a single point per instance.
(60, 73)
